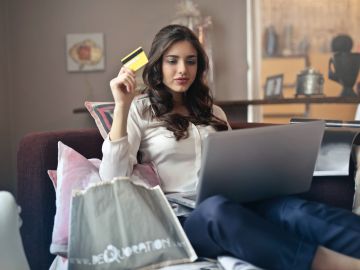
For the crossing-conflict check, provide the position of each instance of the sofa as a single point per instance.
(37, 153)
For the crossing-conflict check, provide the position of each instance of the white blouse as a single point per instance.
(177, 162)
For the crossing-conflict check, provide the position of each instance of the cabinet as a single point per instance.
(290, 67)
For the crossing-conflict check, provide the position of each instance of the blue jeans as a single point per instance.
(280, 233)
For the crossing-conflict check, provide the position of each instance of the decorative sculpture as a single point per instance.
(344, 65)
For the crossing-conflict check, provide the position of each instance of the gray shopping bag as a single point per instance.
(120, 225)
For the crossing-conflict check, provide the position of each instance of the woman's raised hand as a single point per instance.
(123, 87)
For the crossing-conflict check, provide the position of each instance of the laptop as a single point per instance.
(257, 163)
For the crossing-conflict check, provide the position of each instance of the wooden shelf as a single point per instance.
(298, 100)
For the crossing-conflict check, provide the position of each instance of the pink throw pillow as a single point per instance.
(147, 174)
(53, 173)
(74, 172)
(53, 177)
(102, 112)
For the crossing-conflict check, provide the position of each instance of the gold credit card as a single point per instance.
(135, 59)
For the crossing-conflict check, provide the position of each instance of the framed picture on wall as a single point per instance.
(85, 52)
(274, 86)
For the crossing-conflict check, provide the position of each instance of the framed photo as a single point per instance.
(85, 52)
(274, 86)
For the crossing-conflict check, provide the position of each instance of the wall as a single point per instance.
(6, 180)
(44, 94)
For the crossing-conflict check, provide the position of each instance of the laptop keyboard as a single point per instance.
(191, 197)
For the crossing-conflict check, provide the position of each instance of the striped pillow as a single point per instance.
(102, 112)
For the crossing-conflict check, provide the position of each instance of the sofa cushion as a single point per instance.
(74, 172)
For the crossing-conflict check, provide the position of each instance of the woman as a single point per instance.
(166, 126)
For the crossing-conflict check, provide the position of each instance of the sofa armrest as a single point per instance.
(36, 154)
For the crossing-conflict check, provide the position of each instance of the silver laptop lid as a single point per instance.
(258, 163)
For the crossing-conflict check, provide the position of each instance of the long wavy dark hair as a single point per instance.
(197, 98)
